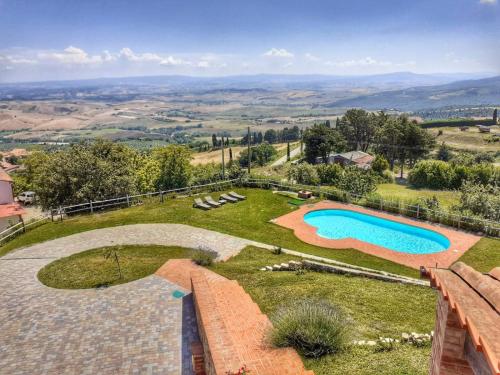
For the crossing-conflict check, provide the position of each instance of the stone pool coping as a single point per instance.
(460, 241)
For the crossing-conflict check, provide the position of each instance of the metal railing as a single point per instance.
(445, 217)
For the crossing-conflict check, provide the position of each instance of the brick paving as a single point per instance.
(134, 328)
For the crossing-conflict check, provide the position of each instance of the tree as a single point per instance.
(215, 143)
(380, 164)
(259, 138)
(357, 181)
(444, 153)
(83, 172)
(148, 174)
(270, 136)
(320, 141)
(261, 154)
(330, 173)
(175, 167)
(403, 140)
(495, 116)
(303, 173)
(230, 156)
(358, 128)
(288, 151)
(328, 124)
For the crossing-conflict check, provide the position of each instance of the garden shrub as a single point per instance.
(380, 164)
(314, 328)
(357, 181)
(204, 257)
(303, 173)
(329, 173)
(433, 174)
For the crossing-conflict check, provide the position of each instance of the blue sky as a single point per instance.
(70, 39)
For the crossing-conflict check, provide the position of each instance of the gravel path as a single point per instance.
(134, 328)
(282, 160)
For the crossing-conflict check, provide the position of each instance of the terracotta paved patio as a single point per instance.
(460, 241)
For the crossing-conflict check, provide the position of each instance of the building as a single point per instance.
(467, 333)
(10, 211)
(358, 158)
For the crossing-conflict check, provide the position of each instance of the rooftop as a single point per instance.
(475, 297)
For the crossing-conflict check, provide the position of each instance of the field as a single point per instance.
(471, 139)
(409, 194)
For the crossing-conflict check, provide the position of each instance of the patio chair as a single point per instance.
(228, 198)
(198, 203)
(237, 196)
(209, 200)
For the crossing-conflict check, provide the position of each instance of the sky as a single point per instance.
(75, 39)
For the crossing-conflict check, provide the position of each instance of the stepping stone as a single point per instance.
(269, 268)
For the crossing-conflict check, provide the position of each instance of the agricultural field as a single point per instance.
(471, 139)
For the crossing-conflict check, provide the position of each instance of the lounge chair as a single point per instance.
(228, 198)
(198, 203)
(237, 196)
(211, 202)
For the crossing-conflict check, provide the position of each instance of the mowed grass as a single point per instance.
(247, 219)
(447, 198)
(377, 309)
(91, 269)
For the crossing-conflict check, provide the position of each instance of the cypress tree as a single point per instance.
(288, 151)
(495, 116)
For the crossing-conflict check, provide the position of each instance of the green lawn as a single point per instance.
(247, 219)
(394, 191)
(377, 309)
(90, 269)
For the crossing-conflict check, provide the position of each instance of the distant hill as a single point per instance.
(484, 91)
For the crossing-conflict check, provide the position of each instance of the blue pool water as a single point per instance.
(339, 224)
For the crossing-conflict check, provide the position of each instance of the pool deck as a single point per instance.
(460, 241)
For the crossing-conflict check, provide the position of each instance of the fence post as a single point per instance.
(60, 213)
(418, 211)
(128, 201)
(52, 214)
(91, 208)
(161, 196)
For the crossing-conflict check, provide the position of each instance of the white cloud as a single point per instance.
(278, 52)
(490, 2)
(288, 65)
(70, 55)
(172, 61)
(311, 57)
(127, 54)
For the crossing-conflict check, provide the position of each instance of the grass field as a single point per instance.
(408, 193)
(471, 139)
(248, 219)
(90, 269)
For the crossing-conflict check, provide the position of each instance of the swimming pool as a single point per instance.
(338, 224)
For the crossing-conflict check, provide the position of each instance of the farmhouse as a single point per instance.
(358, 158)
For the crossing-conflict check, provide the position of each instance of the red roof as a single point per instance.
(11, 209)
(475, 298)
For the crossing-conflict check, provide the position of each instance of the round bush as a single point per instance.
(314, 328)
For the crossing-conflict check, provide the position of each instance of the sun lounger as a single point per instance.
(228, 198)
(237, 196)
(198, 203)
(211, 202)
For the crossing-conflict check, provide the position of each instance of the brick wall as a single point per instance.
(448, 347)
